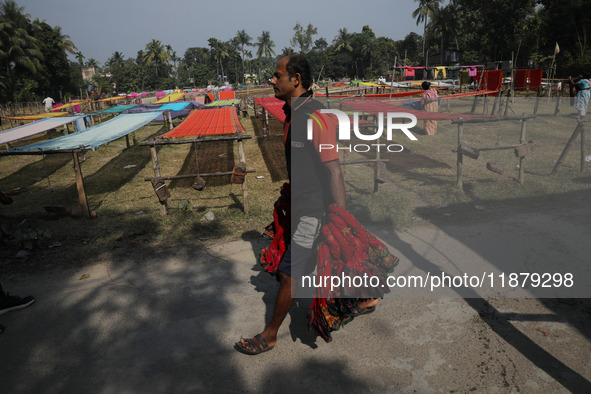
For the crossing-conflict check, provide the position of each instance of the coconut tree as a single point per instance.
(19, 50)
(116, 60)
(155, 53)
(342, 41)
(265, 45)
(80, 57)
(443, 23)
(422, 13)
(219, 52)
(243, 40)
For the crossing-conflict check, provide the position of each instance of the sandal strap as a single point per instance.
(254, 346)
(259, 337)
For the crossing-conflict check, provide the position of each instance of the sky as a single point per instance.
(100, 27)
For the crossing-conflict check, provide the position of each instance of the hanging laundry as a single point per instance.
(472, 71)
(440, 70)
(410, 72)
(535, 78)
(520, 81)
(464, 77)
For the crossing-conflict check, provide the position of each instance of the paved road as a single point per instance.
(167, 324)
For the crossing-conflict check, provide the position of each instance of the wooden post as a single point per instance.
(522, 141)
(169, 113)
(156, 167)
(127, 141)
(82, 200)
(557, 109)
(496, 102)
(378, 170)
(537, 100)
(474, 104)
(507, 103)
(242, 158)
(460, 156)
(582, 147)
(567, 147)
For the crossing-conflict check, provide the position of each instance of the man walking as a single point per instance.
(318, 180)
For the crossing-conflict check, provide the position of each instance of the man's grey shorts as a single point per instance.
(298, 258)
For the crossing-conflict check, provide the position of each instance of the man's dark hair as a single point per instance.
(297, 64)
(425, 85)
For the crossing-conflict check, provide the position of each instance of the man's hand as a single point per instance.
(337, 183)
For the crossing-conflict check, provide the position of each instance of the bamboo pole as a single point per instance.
(567, 147)
(522, 140)
(156, 167)
(460, 156)
(82, 199)
(582, 147)
(242, 158)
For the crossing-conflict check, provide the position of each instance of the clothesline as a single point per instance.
(449, 67)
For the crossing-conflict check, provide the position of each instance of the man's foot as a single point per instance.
(5, 198)
(12, 303)
(254, 346)
(366, 307)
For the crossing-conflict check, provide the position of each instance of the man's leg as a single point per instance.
(283, 304)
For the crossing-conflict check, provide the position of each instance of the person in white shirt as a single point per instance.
(48, 101)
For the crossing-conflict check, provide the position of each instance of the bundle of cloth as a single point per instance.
(346, 249)
(279, 230)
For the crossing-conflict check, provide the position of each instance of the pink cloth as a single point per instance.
(430, 104)
(472, 72)
(410, 72)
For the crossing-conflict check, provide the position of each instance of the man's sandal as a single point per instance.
(254, 348)
(363, 311)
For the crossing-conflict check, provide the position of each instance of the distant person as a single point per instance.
(49, 102)
(11, 302)
(429, 102)
(95, 97)
(582, 98)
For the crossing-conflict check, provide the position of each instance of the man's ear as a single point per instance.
(297, 79)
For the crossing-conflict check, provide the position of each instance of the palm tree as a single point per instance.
(156, 54)
(92, 63)
(442, 22)
(65, 42)
(220, 52)
(265, 45)
(116, 60)
(422, 13)
(80, 58)
(18, 48)
(343, 41)
(243, 39)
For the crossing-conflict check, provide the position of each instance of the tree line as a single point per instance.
(34, 55)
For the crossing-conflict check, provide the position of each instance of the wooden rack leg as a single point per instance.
(567, 147)
(82, 200)
(582, 147)
(460, 156)
(156, 166)
(522, 140)
(378, 171)
(242, 158)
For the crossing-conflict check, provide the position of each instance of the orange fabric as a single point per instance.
(201, 122)
(227, 95)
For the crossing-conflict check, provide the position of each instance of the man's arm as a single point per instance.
(337, 183)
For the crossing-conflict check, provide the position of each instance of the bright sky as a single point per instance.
(100, 27)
